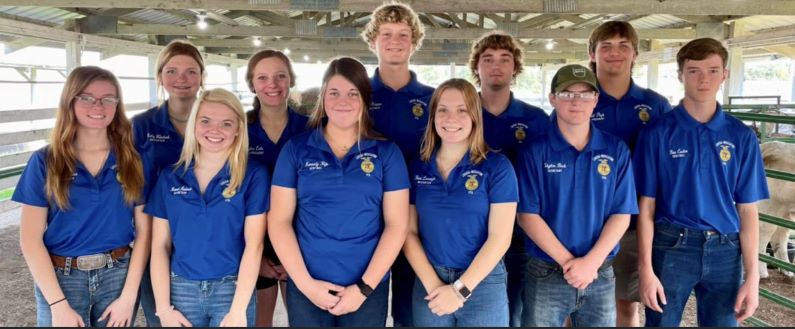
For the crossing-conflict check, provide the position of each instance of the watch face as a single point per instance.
(464, 292)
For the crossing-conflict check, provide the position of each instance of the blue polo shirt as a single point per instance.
(453, 216)
(697, 172)
(262, 149)
(157, 141)
(575, 192)
(98, 219)
(207, 230)
(401, 115)
(519, 123)
(625, 118)
(338, 219)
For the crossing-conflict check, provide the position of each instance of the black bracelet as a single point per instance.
(57, 301)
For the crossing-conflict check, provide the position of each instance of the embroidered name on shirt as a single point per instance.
(256, 150)
(157, 138)
(597, 116)
(375, 106)
(678, 153)
(317, 165)
(182, 190)
(424, 180)
(554, 168)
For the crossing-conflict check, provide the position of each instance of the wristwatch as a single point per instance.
(364, 288)
(462, 289)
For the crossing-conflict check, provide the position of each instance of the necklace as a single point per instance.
(333, 143)
(177, 119)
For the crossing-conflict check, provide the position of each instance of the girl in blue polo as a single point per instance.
(209, 221)
(80, 210)
(342, 217)
(463, 208)
(159, 131)
(270, 124)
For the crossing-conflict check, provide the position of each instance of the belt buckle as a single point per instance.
(91, 262)
(711, 232)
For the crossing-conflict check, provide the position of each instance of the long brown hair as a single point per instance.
(353, 71)
(61, 154)
(176, 48)
(252, 63)
(477, 144)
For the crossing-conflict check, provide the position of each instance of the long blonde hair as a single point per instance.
(477, 144)
(238, 154)
(61, 158)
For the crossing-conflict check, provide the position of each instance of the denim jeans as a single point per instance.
(205, 303)
(302, 313)
(146, 298)
(402, 282)
(549, 299)
(707, 262)
(89, 293)
(487, 306)
(515, 262)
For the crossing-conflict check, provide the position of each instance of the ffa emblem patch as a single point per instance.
(603, 168)
(118, 177)
(367, 165)
(725, 154)
(417, 110)
(644, 115)
(520, 134)
(471, 183)
(228, 193)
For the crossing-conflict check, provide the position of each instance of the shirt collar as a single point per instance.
(161, 117)
(413, 86)
(318, 141)
(558, 143)
(634, 91)
(685, 120)
(514, 109)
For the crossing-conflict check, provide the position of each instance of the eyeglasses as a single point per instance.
(570, 96)
(91, 100)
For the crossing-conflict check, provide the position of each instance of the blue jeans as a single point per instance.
(549, 299)
(487, 306)
(402, 282)
(515, 262)
(205, 303)
(89, 293)
(705, 261)
(302, 313)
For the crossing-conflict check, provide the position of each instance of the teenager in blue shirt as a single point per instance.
(342, 208)
(209, 221)
(270, 124)
(623, 109)
(463, 209)
(700, 175)
(576, 196)
(399, 110)
(158, 132)
(81, 209)
(508, 123)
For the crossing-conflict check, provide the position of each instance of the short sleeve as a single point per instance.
(258, 191)
(396, 177)
(155, 202)
(30, 188)
(285, 174)
(752, 182)
(503, 185)
(528, 181)
(645, 164)
(625, 199)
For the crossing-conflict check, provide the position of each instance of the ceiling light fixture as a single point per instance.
(550, 44)
(201, 23)
(256, 42)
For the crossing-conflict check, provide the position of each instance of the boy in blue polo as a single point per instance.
(576, 195)
(623, 109)
(700, 175)
(399, 110)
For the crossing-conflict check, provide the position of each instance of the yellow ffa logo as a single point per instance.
(228, 193)
(603, 168)
(417, 110)
(118, 177)
(725, 154)
(472, 183)
(367, 165)
(644, 115)
(520, 134)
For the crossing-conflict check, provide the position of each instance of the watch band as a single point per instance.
(364, 288)
(462, 289)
